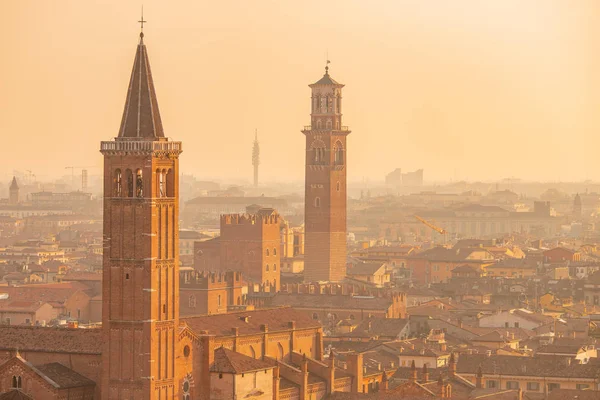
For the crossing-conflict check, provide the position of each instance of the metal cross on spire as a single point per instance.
(141, 21)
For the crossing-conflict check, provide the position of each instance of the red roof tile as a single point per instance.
(230, 362)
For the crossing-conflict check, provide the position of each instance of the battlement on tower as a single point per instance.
(264, 216)
(211, 279)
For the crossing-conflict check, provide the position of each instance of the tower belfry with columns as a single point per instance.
(325, 184)
(140, 315)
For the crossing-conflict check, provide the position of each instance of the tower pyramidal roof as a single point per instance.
(327, 79)
(14, 184)
(141, 118)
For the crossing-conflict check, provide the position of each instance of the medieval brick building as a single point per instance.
(249, 243)
(325, 184)
(211, 292)
(144, 350)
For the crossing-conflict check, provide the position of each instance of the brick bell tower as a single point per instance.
(140, 314)
(325, 185)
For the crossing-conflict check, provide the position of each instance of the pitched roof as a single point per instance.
(141, 118)
(50, 340)
(386, 327)
(14, 394)
(494, 336)
(365, 268)
(250, 322)
(323, 301)
(524, 366)
(326, 79)
(231, 362)
(63, 376)
(192, 235)
(51, 293)
(559, 349)
(20, 306)
(570, 394)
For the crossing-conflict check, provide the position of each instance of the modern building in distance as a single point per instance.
(325, 184)
(397, 178)
(255, 157)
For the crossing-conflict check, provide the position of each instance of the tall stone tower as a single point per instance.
(13, 192)
(140, 315)
(325, 185)
(255, 158)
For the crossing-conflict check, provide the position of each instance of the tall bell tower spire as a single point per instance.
(140, 314)
(325, 184)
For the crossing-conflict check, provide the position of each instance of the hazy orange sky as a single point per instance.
(480, 89)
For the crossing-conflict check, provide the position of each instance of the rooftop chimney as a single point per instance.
(425, 374)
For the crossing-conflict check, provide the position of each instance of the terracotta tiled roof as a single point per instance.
(494, 336)
(63, 376)
(231, 362)
(559, 349)
(39, 293)
(250, 322)
(51, 340)
(524, 366)
(20, 306)
(306, 300)
(141, 118)
(365, 268)
(570, 394)
(386, 327)
(14, 395)
(82, 276)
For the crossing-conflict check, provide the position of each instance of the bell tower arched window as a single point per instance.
(139, 183)
(338, 153)
(318, 154)
(328, 125)
(129, 176)
(162, 191)
(118, 183)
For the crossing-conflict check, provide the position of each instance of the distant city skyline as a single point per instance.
(484, 92)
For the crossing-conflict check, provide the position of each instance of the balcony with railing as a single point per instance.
(141, 146)
(311, 128)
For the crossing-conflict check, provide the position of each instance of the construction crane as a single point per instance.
(439, 230)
